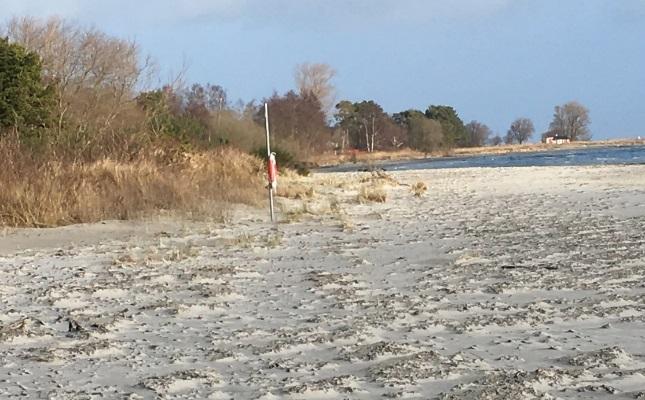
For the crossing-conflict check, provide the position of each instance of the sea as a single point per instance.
(615, 155)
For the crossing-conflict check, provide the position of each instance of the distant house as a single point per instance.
(556, 138)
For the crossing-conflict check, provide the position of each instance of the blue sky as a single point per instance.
(493, 60)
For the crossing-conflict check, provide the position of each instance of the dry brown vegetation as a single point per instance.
(372, 193)
(107, 149)
(295, 190)
(49, 192)
(325, 159)
(378, 177)
(419, 188)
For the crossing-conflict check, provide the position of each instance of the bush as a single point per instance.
(284, 159)
(372, 193)
(419, 188)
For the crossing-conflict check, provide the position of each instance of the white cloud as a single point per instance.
(40, 8)
(298, 12)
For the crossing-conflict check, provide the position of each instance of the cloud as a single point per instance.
(256, 12)
(40, 8)
(345, 11)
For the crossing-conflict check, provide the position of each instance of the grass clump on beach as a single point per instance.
(379, 177)
(372, 193)
(295, 190)
(419, 188)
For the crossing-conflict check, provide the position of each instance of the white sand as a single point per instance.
(513, 283)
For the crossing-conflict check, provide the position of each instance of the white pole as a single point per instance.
(266, 119)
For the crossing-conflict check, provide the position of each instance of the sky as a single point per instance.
(492, 60)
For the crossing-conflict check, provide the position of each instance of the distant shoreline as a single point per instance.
(361, 157)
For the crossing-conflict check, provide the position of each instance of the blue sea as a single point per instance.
(618, 155)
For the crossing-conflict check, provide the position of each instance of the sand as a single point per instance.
(515, 283)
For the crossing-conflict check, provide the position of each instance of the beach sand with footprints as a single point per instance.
(514, 283)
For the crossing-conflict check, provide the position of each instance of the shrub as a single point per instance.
(285, 159)
(372, 194)
(419, 188)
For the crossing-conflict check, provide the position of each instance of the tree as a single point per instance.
(368, 126)
(346, 124)
(393, 136)
(206, 104)
(424, 134)
(496, 140)
(478, 133)
(166, 114)
(370, 115)
(25, 101)
(157, 111)
(403, 118)
(571, 120)
(520, 131)
(453, 127)
(315, 79)
(377, 127)
(297, 122)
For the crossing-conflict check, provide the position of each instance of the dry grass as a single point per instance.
(305, 209)
(372, 193)
(339, 214)
(294, 214)
(248, 241)
(364, 157)
(295, 190)
(43, 193)
(419, 188)
(378, 177)
(509, 148)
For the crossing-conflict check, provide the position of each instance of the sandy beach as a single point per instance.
(508, 283)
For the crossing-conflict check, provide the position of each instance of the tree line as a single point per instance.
(86, 94)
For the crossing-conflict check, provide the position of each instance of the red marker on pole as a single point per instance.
(273, 172)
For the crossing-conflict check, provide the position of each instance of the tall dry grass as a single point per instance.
(44, 191)
(362, 157)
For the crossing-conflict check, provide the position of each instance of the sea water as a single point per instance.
(618, 155)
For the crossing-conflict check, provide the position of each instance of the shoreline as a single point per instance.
(329, 160)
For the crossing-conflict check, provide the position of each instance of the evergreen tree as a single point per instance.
(454, 130)
(25, 101)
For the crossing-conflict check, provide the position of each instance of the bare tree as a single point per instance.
(297, 122)
(478, 133)
(571, 120)
(205, 103)
(315, 79)
(520, 131)
(496, 140)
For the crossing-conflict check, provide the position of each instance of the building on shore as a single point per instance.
(556, 138)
